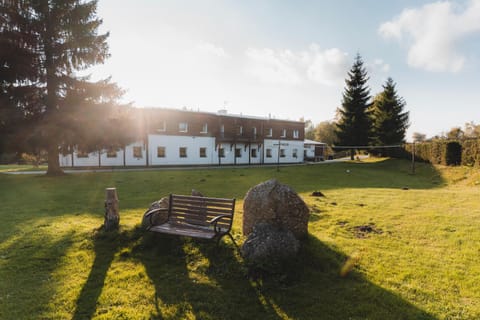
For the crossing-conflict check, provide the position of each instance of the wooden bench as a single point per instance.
(197, 217)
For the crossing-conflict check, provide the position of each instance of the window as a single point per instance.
(295, 134)
(254, 132)
(204, 128)
(284, 133)
(238, 152)
(182, 152)
(221, 153)
(111, 153)
(162, 127)
(295, 153)
(160, 152)
(222, 131)
(240, 130)
(282, 153)
(269, 132)
(183, 127)
(254, 153)
(137, 152)
(203, 152)
(82, 154)
(269, 153)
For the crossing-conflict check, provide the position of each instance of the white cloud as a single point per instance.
(433, 33)
(378, 65)
(273, 66)
(212, 49)
(327, 67)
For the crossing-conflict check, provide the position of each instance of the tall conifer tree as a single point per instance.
(390, 121)
(354, 125)
(49, 42)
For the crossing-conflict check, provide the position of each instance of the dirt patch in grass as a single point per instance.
(363, 231)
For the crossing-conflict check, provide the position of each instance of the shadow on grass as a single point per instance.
(26, 268)
(204, 281)
(106, 245)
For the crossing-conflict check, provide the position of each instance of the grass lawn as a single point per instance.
(21, 167)
(422, 263)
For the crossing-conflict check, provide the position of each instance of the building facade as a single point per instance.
(173, 137)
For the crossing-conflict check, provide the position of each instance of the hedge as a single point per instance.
(464, 152)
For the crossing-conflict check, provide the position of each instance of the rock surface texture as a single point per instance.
(268, 248)
(158, 217)
(276, 204)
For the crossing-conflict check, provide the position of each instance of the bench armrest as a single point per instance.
(150, 214)
(215, 220)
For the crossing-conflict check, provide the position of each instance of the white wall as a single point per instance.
(172, 154)
(288, 146)
(193, 145)
(130, 160)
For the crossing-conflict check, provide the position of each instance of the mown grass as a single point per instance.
(21, 167)
(423, 262)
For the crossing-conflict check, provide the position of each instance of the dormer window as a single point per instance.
(269, 132)
(183, 127)
(162, 127)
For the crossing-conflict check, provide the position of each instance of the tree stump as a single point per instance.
(112, 214)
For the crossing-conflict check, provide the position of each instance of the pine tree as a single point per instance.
(49, 42)
(390, 121)
(354, 125)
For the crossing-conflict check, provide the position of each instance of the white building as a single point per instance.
(178, 137)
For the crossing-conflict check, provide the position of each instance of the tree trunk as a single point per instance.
(352, 154)
(54, 162)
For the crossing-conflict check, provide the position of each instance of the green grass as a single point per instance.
(425, 263)
(21, 167)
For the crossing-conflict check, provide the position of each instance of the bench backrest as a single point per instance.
(200, 210)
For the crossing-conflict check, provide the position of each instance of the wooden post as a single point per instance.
(112, 214)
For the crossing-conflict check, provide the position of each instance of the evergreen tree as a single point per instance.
(354, 125)
(390, 121)
(48, 42)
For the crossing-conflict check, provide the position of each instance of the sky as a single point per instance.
(289, 59)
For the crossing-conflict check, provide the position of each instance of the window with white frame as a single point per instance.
(268, 153)
(221, 153)
(182, 152)
(282, 153)
(160, 152)
(182, 127)
(269, 132)
(137, 152)
(162, 127)
(203, 152)
(240, 130)
(295, 153)
(284, 133)
(238, 152)
(204, 128)
(111, 153)
(254, 132)
(254, 153)
(296, 134)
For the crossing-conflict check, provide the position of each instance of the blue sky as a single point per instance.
(290, 58)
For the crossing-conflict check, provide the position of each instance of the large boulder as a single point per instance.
(276, 204)
(269, 248)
